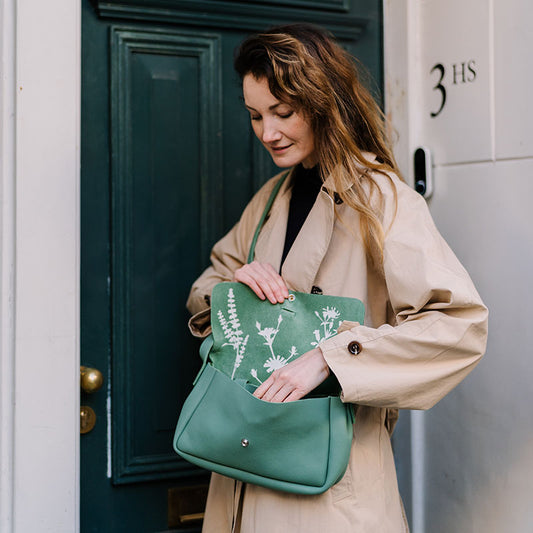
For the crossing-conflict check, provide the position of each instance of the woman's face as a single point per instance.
(286, 134)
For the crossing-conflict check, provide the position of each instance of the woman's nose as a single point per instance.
(270, 132)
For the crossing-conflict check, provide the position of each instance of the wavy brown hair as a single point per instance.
(307, 69)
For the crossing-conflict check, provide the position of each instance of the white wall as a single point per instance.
(476, 469)
(7, 259)
(39, 265)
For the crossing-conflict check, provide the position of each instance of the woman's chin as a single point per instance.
(285, 161)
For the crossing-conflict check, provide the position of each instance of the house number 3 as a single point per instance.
(462, 73)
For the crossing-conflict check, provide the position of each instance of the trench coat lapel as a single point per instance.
(312, 242)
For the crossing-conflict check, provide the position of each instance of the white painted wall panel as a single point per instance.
(475, 468)
(453, 49)
(479, 440)
(46, 386)
(513, 38)
(7, 259)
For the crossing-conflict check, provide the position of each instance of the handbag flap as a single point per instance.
(253, 337)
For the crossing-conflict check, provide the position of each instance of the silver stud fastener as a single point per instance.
(244, 443)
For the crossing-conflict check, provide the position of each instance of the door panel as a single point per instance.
(166, 172)
(168, 163)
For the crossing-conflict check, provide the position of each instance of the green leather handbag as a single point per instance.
(302, 446)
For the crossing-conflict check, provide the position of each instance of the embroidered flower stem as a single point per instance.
(232, 330)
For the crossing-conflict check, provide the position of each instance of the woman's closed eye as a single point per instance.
(286, 114)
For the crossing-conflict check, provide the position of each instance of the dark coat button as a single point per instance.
(316, 290)
(337, 198)
(354, 348)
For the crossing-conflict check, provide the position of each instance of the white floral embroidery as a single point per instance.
(273, 363)
(233, 332)
(269, 334)
(329, 315)
(235, 337)
(276, 362)
(293, 352)
(254, 375)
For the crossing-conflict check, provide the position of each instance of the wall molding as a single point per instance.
(235, 15)
(331, 5)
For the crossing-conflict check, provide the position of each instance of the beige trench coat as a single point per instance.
(425, 330)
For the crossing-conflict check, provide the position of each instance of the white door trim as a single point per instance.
(40, 69)
(7, 258)
(401, 52)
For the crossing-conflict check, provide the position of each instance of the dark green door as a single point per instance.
(168, 163)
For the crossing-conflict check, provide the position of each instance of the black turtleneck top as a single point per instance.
(306, 184)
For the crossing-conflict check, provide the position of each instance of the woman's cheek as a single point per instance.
(256, 126)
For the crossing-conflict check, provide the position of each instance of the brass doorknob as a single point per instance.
(91, 379)
(87, 419)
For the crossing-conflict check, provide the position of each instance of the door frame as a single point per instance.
(401, 45)
(40, 67)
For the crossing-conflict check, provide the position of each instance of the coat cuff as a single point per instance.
(200, 323)
(341, 351)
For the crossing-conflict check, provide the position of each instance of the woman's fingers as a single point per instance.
(293, 396)
(296, 379)
(263, 280)
(278, 389)
(246, 279)
(281, 395)
(260, 391)
(268, 389)
(275, 391)
(280, 287)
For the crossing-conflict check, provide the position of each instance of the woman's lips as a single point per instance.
(280, 149)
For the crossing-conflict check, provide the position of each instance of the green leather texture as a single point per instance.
(253, 338)
(301, 447)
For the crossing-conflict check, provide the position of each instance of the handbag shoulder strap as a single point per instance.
(268, 206)
(207, 344)
(205, 348)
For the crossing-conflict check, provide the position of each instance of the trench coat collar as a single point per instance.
(307, 252)
(303, 261)
(347, 180)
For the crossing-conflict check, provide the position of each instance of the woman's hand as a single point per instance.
(296, 379)
(263, 280)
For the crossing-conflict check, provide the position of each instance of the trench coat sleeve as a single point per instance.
(228, 254)
(441, 323)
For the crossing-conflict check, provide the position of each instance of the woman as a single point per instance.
(343, 224)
